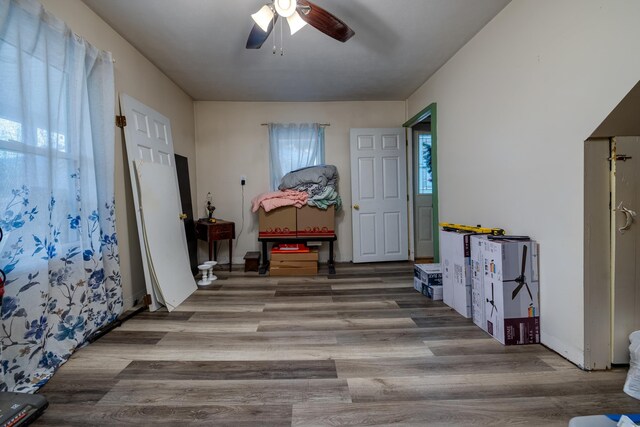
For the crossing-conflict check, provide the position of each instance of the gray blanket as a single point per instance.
(324, 175)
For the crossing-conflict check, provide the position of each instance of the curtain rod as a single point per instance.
(321, 124)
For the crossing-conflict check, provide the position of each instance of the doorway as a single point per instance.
(423, 201)
(611, 255)
(625, 243)
(422, 190)
(379, 194)
(612, 249)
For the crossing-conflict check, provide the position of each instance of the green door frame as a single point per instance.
(431, 110)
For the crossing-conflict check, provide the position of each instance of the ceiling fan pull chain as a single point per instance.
(274, 34)
(281, 45)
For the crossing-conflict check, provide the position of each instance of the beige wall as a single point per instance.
(135, 76)
(230, 142)
(624, 120)
(514, 108)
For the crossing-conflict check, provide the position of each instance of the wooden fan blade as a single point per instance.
(324, 21)
(257, 36)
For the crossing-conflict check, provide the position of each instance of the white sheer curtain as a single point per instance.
(59, 251)
(293, 146)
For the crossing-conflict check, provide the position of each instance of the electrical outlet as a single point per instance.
(243, 179)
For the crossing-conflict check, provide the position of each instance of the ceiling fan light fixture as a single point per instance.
(263, 17)
(295, 22)
(285, 8)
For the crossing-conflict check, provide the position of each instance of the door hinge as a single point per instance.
(146, 300)
(407, 197)
(121, 121)
(621, 158)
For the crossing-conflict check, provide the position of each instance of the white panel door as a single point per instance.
(163, 231)
(148, 138)
(626, 200)
(379, 195)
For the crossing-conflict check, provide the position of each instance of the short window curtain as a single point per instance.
(293, 146)
(57, 211)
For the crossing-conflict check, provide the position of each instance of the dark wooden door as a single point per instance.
(182, 167)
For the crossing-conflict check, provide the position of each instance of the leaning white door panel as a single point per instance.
(163, 233)
(148, 138)
(379, 195)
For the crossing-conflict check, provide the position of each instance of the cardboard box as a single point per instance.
(478, 250)
(315, 222)
(428, 280)
(308, 256)
(299, 271)
(511, 292)
(417, 284)
(432, 291)
(293, 264)
(280, 222)
(431, 274)
(456, 270)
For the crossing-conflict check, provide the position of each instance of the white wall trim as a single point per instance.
(573, 354)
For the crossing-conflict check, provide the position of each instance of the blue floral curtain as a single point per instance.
(293, 146)
(59, 250)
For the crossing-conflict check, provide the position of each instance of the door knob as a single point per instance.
(630, 217)
(183, 216)
(356, 207)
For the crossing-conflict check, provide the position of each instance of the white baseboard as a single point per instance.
(574, 355)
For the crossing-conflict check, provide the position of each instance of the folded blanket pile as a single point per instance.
(276, 199)
(314, 185)
(318, 182)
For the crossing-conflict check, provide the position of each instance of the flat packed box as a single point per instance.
(315, 222)
(298, 256)
(279, 222)
(292, 264)
(456, 270)
(509, 272)
(478, 250)
(288, 271)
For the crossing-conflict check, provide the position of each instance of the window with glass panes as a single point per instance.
(425, 178)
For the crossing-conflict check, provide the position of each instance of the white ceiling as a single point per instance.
(200, 45)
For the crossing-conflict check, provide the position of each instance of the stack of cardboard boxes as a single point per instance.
(289, 221)
(427, 279)
(307, 222)
(301, 262)
(494, 281)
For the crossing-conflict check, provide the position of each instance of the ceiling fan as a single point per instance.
(298, 14)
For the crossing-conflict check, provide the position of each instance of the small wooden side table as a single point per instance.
(213, 231)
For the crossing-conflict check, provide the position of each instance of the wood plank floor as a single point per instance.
(358, 348)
